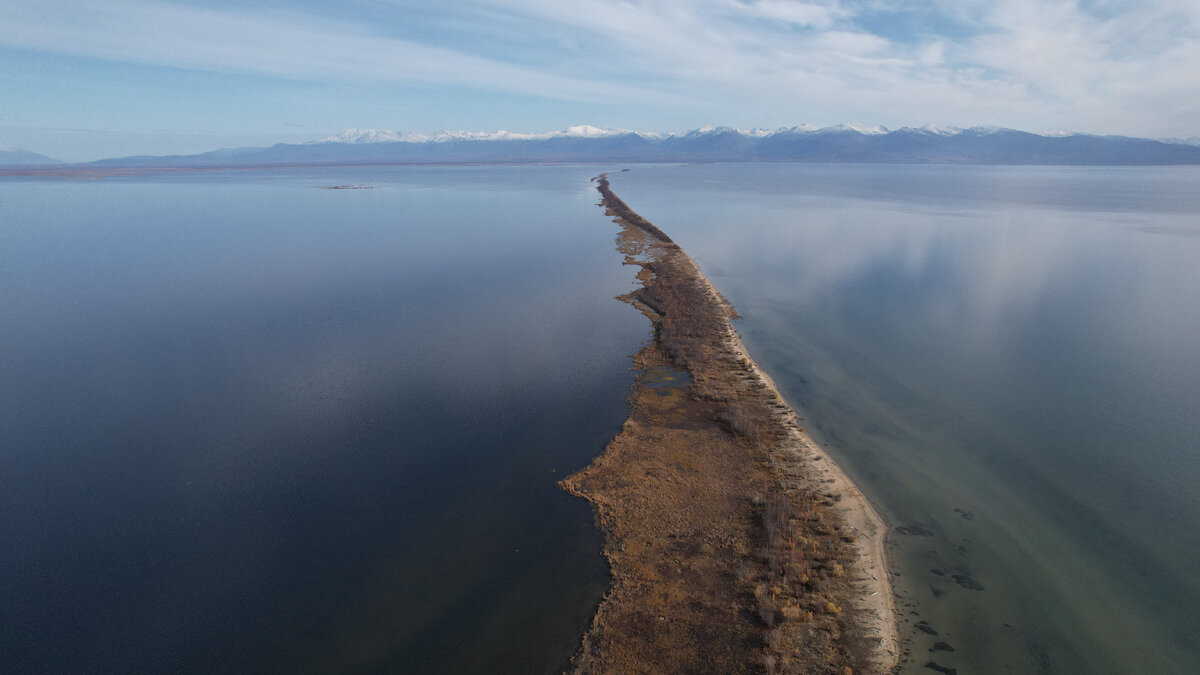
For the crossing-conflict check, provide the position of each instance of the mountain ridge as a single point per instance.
(13, 157)
(929, 144)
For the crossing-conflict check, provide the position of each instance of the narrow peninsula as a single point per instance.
(736, 545)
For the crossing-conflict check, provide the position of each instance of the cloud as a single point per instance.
(1119, 65)
(1107, 66)
(794, 13)
(274, 44)
(1036, 63)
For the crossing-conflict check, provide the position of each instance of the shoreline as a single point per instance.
(877, 596)
(735, 543)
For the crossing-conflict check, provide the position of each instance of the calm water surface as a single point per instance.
(247, 424)
(251, 425)
(1005, 356)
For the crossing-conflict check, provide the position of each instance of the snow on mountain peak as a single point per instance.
(985, 130)
(357, 136)
(388, 136)
(371, 136)
(797, 129)
(589, 131)
(755, 132)
(863, 129)
(941, 130)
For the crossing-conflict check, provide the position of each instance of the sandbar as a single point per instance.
(736, 544)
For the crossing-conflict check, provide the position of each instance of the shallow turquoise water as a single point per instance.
(1006, 356)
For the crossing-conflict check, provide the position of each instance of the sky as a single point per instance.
(87, 79)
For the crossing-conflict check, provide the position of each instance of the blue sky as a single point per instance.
(84, 79)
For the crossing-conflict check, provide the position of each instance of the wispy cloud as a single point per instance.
(1041, 63)
(1107, 65)
(281, 44)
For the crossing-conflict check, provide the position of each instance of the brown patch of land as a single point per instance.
(735, 544)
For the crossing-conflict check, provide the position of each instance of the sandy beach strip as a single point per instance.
(808, 466)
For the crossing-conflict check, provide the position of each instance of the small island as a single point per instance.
(735, 543)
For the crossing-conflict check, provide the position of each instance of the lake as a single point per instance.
(252, 425)
(1005, 361)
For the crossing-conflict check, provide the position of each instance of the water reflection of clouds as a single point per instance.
(976, 268)
(227, 402)
(1177, 231)
(985, 269)
(1033, 353)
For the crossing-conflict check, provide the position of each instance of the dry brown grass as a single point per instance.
(716, 566)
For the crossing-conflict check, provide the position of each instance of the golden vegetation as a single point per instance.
(719, 565)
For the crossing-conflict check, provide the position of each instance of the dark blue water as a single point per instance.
(1006, 356)
(248, 425)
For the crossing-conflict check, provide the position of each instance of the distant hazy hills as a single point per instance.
(843, 143)
(15, 157)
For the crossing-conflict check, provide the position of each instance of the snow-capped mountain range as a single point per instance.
(388, 136)
(930, 144)
(588, 131)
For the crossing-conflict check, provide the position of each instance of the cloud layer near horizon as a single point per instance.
(1103, 66)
